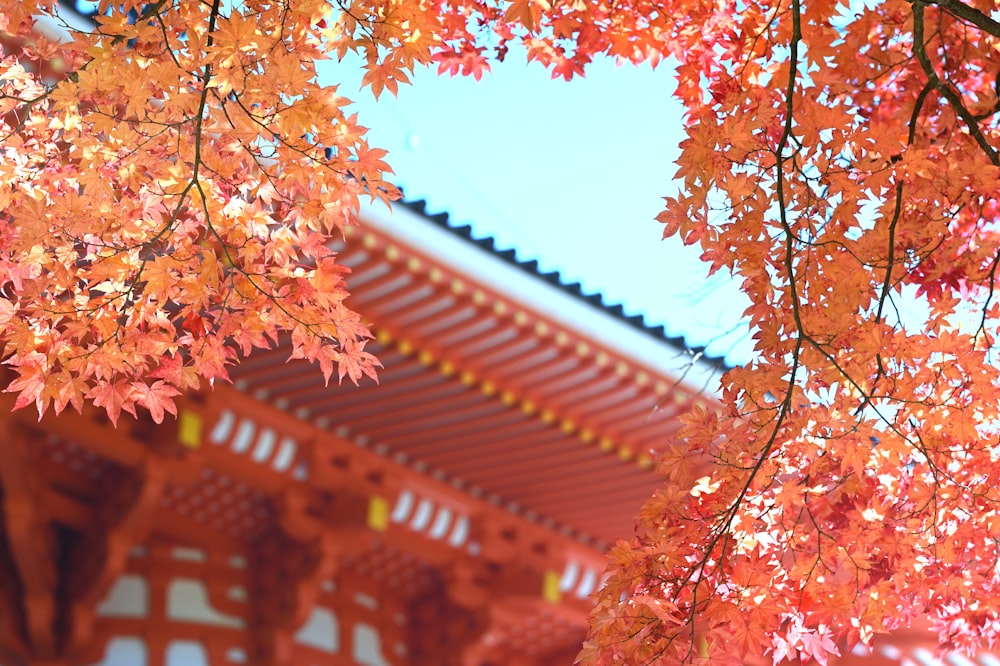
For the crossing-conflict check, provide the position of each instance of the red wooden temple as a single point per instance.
(454, 514)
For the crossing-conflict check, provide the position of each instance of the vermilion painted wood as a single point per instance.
(136, 486)
(500, 358)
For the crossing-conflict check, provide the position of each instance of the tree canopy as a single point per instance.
(172, 178)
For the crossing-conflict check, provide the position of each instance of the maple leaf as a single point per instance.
(156, 397)
(66, 388)
(8, 310)
(30, 383)
(521, 11)
(749, 635)
(818, 645)
(114, 397)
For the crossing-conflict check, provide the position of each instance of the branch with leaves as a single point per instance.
(153, 236)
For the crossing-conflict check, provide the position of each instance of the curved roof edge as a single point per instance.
(544, 293)
(574, 289)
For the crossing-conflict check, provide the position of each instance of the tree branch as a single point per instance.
(969, 14)
(953, 98)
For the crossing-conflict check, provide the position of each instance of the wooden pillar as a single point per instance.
(53, 574)
(287, 565)
(122, 521)
(32, 546)
(157, 631)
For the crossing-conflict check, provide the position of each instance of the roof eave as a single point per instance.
(666, 356)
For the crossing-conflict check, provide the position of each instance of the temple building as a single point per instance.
(454, 514)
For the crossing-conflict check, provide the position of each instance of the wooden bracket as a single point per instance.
(121, 521)
(440, 630)
(285, 582)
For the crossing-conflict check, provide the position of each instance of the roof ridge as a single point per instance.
(573, 289)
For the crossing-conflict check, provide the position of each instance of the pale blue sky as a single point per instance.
(571, 174)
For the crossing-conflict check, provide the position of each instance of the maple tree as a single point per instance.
(171, 180)
(842, 161)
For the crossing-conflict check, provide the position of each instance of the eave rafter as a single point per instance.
(554, 391)
(478, 379)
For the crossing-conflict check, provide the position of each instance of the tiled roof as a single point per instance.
(574, 289)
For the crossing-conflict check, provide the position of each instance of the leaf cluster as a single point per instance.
(171, 181)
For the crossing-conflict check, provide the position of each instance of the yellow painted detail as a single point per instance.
(378, 513)
(606, 444)
(508, 398)
(425, 357)
(189, 429)
(550, 587)
(383, 336)
(625, 453)
(405, 347)
(369, 241)
(499, 308)
(582, 349)
(562, 339)
(413, 264)
(457, 287)
(392, 253)
(587, 435)
(467, 378)
(447, 368)
(521, 318)
(641, 378)
(645, 461)
(488, 389)
(435, 275)
(541, 329)
(567, 426)
(478, 297)
(548, 417)
(621, 369)
(528, 407)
